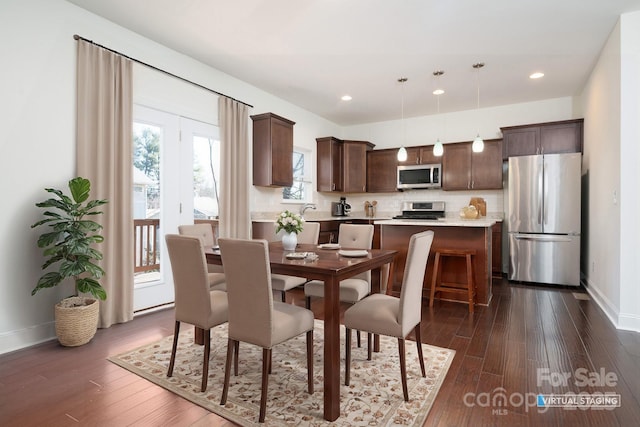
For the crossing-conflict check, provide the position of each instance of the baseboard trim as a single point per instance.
(22, 338)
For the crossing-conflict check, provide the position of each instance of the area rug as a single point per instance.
(374, 397)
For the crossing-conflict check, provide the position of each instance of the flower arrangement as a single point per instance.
(289, 222)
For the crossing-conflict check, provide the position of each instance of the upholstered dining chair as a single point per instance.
(195, 303)
(281, 282)
(388, 315)
(352, 290)
(205, 232)
(254, 317)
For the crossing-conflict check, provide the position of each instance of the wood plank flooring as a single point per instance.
(507, 353)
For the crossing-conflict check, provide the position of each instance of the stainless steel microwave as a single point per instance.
(419, 176)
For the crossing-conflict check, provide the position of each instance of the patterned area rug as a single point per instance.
(373, 398)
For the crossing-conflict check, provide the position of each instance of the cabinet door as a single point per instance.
(456, 166)
(413, 156)
(486, 171)
(329, 164)
(521, 142)
(272, 150)
(561, 138)
(281, 153)
(382, 171)
(427, 157)
(354, 166)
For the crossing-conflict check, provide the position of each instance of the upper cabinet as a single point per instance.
(381, 170)
(272, 150)
(342, 165)
(462, 169)
(543, 138)
(422, 155)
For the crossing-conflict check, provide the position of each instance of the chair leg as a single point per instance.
(266, 358)
(310, 361)
(358, 337)
(403, 369)
(236, 352)
(205, 362)
(347, 357)
(307, 303)
(227, 370)
(284, 296)
(174, 348)
(419, 344)
(369, 345)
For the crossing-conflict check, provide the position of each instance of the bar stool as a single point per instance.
(467, 288)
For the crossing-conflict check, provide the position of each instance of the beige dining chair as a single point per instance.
(254, 317)
(205, 232)
(195, 303)
(396, 317)
(281, 282)
(352, 290)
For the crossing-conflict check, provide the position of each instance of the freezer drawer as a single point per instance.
(544, 258)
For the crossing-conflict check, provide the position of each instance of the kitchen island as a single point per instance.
(451, 233)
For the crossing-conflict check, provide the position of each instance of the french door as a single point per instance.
(170, 177)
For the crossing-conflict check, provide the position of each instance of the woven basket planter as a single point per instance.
(76, 320)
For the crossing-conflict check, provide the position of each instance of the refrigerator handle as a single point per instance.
(544, 192)
(545, 237)
(540, 196)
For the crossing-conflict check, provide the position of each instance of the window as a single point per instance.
(300, 191)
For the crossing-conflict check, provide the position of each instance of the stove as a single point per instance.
(422, 210)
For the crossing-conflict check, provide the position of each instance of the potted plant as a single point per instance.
(68, 245)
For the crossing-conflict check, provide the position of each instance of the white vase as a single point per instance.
(289, 241)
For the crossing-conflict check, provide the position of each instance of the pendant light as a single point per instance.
(478, 144)
(402, 152)
(438, 148)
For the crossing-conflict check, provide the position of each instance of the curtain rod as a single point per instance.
(77, 37)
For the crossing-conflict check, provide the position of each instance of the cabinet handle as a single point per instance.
(333, 186)
(473, 183)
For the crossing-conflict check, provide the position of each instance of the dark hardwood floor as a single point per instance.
(506, 354)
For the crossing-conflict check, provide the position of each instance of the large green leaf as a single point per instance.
(80, 188)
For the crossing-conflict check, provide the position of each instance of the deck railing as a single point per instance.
(147, 240)
(146, 250)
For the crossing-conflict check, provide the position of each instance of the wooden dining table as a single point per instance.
(330, 267)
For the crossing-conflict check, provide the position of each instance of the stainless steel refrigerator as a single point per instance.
(544, 218)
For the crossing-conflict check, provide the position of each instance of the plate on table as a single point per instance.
(329, 246)
(296, 255)
(354, 253)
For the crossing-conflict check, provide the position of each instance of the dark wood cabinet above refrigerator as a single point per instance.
(542, 138)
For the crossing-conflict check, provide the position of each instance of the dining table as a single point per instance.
(330, 265)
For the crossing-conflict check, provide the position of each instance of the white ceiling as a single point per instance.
(311, 52)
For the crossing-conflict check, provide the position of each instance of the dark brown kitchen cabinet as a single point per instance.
(381, 171)
(354, 166)
(462, 169)
(422, 155)
(342, 165)
(329, 164)
(543, 138)
(272, 150)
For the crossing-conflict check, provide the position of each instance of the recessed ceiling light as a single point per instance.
(536, 75)
(438, 92)
(346, 98)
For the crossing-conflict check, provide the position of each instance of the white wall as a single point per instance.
(37, 107)
(611, 104)
(629, 172)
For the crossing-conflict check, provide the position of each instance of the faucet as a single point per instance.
(307, 206)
